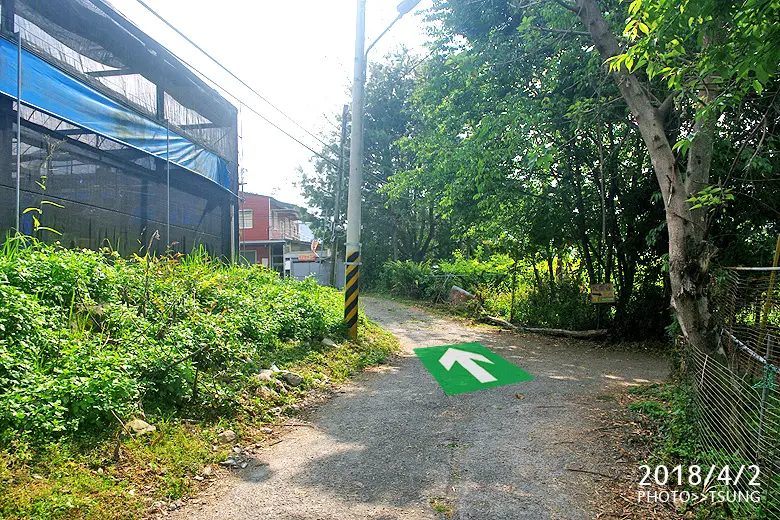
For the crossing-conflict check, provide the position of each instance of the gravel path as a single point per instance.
(393, 446)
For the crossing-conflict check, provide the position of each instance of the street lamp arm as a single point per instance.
(404, 7)
(400, 15)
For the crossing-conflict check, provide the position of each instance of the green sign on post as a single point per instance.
(467, 367)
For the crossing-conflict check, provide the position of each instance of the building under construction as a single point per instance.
(119, 141)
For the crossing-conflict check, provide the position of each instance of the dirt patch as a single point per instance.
(626, 443)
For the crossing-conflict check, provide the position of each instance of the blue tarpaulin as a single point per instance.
(53, 91)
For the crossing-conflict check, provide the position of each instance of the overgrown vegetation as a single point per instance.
(517, 133)
(668, 414)
(555, 296)
(89, 340)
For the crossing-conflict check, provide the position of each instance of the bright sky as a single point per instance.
(298, 55)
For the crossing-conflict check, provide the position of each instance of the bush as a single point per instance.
(482, 277)
(563, 305)
(87, 337)
(409, 279)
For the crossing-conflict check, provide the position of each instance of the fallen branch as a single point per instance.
(124, 426)
(580, 470)
(579, 334)
(614, 427)
(300, 424)
(503, 323)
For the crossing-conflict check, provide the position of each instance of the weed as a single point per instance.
(442, 505)
(89, 340)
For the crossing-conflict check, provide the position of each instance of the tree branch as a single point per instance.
(188, 356)
(519, 6)
(571, 7)
(560, 31)
(665, 110)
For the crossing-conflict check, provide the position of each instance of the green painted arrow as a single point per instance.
(467, 367)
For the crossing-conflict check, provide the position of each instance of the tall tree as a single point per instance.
(402, 223)
(678, 66)
(536, 149)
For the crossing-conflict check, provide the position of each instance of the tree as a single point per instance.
(676, 82)
(402, 223)
(516, 145)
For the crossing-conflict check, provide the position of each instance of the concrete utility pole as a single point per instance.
(356, 162)
(337, 205)
(352, 279)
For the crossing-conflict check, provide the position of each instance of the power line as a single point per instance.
(242, 103)
(209, 56)
(261, 116)
(421, 61)
(373, 177)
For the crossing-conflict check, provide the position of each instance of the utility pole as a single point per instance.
(337, 206)
(352, 279)
(356, 161)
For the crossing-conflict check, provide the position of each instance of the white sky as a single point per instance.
(298, 55)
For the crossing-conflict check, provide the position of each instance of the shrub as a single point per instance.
(564, 304)
(480, 276)
(87, 337)
(407, 279)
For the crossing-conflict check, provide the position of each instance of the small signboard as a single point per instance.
(602, 293)
(307, 257)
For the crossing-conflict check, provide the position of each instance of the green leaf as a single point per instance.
(46, 228)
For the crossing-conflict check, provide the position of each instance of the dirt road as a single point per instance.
(393, 446)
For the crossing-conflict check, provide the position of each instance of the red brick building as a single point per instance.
(268, 229)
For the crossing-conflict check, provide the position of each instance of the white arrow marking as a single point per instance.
(468, 361)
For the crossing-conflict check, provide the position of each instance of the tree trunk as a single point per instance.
(689, 252)
(537, 278)
(550, 270)
(394, 239)
(581, 226)
(514, 290)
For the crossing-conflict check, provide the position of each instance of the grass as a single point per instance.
(442, 505)
(81, 478)
(89, 340)
(666, 412)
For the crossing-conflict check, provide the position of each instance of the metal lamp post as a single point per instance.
(352, 282)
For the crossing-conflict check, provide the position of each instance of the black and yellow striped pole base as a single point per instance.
(352, 286)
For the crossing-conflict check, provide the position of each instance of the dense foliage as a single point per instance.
(87, 337)
(405, 224)
(557, 299)
(516, 135)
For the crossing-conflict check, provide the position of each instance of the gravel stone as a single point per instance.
(226, 437)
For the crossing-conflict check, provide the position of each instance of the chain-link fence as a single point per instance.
(737, 400)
